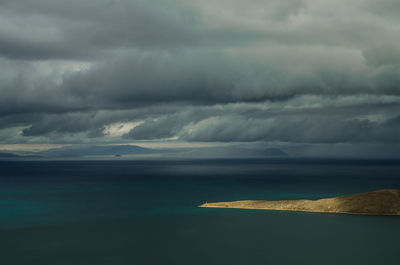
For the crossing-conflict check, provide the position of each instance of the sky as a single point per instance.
(317, 76)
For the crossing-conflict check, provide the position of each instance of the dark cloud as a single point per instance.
(204, 77)
(289, 129)
(93, 122)
(205, 70)
(81, 29)
(247, 123)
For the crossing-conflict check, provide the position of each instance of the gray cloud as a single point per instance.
(45, 29)
(289, 129)
(282, 122)
(204, 77)
(289, 71)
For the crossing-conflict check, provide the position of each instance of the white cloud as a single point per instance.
(120, 128)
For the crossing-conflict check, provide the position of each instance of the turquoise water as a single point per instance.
(144, 212)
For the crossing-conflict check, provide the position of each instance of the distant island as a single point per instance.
(380, 202)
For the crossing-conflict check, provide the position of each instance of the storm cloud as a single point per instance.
(298, 71)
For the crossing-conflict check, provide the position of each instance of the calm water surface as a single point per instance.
(144, 212)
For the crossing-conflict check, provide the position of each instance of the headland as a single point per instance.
(379, 202)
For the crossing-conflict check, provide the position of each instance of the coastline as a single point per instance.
(380, 202)
(296, 210)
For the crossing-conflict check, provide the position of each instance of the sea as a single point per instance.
(145, 212)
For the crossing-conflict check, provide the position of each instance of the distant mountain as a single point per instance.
(234, 152)
(97, 150)
(274, 152)
(93, 151)
(8, 155)
(11, 155)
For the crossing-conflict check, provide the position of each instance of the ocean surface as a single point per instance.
(145, 212)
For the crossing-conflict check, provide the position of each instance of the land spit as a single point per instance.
(380, 202)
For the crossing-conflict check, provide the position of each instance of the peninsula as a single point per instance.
(380, 202)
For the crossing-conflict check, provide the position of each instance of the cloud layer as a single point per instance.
(298, 71)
